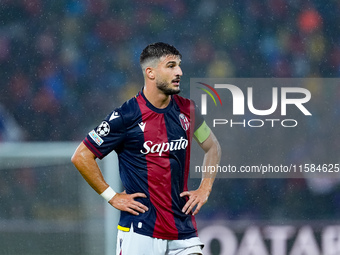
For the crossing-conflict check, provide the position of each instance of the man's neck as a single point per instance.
(156, 97)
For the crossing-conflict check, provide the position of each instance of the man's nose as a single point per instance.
(179, 71)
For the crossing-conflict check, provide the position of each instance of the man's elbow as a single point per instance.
(218, 149)
(78, 155)
(82, 156)
(75, 158)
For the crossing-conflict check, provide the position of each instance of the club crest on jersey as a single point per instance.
(103, 129)
(184, 121)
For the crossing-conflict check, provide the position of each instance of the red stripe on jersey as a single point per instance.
(93, 149)
(188, 109)
(159, 172)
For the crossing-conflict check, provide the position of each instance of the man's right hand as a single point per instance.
(127, 202)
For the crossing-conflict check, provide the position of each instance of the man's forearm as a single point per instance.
(211, 159)
(87, 166)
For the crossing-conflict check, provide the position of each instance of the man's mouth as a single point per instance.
(176, 81)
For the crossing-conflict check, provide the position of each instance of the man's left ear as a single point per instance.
(150, 73)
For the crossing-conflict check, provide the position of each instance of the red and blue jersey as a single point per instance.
(153, 148)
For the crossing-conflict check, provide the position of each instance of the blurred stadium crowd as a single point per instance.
(65, 64)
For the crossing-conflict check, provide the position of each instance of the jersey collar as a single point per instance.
(155, 109)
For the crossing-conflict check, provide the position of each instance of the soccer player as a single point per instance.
(151, 134)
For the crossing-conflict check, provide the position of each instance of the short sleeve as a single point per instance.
(107, 136)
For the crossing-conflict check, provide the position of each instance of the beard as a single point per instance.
(164, 87)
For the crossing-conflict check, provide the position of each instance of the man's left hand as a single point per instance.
(196, 197)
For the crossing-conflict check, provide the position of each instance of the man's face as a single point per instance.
(168, 74)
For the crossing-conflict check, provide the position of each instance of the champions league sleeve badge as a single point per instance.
(103, 129)
(184, 122)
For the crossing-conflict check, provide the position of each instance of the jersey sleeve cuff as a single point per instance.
(93, 149)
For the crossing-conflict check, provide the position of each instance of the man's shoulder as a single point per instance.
(129, 110)
(129, 105)
(185, 104)
(182, 100)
